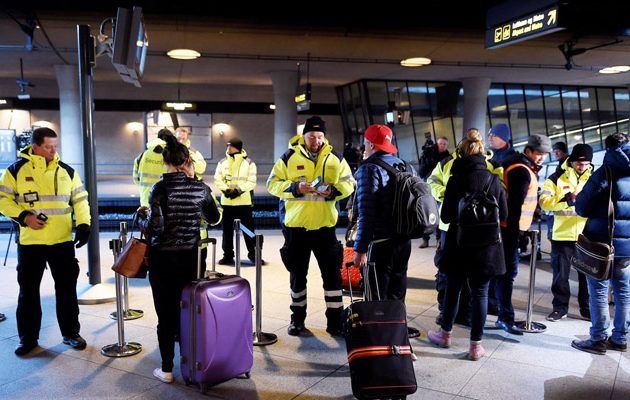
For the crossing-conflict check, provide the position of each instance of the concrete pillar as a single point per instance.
(285, 116)
(71, 140)
(475, 104)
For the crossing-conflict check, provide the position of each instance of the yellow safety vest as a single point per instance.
(147, 169)
(567, 225)
(310, 211)
(55, 189)
(531, 199)
(236, 171)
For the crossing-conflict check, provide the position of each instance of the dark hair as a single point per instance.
(615, 139)
(163, 133)
(175, 153)
(40, 133)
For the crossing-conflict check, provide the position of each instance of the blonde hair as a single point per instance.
(473, 144)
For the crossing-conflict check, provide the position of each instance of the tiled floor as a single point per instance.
(533, 366)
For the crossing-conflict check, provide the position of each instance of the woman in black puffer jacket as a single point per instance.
(475, 260)
(177, 203)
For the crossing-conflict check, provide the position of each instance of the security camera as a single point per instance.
(24, 96)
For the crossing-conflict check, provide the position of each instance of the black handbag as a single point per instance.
(597, 259)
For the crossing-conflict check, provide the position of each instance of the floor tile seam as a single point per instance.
(316, 383)
(550, 368)
(283, 356)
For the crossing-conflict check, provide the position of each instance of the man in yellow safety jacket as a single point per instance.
(235, 177)
(520, 177)
(149, 166)
(199, 162)
(558, 196)
(311, 177)
(40, 193)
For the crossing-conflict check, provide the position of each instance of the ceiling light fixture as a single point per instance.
(615, 70)
(415, 62)
(183, 54)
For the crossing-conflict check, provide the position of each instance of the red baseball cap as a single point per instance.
(381, 137)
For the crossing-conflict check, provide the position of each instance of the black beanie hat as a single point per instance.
(236, 142)
(560, 146)
(314, 124)
(581, 152)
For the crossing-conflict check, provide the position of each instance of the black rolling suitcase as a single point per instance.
(377, 342)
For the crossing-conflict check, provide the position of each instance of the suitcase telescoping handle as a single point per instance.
(348, 265)
(212, 241)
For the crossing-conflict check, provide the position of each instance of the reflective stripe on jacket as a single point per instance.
(148, 167)
(236, 171)
(531, 199)
(55, 189)
(310, 211)
(567, 225)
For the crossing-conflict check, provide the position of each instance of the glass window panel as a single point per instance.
(535, 110)
(622, 100)
(572, 111)
(377, 96)
(496, 105)
(553, 109)
(420, 112)
(517, 113)
(458, 120)
(443, 99)
(590, 118)
(406, 142)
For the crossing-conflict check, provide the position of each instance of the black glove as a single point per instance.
(82, 235)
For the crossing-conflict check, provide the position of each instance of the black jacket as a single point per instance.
(177, 204)
(471, 174)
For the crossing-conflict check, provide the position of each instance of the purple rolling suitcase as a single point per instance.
(216, 329)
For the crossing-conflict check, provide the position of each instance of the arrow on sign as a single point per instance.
(552, 17)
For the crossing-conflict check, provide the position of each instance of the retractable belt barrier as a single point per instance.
(121, 348)
(260, 338)
(128, 313)
(528, 325)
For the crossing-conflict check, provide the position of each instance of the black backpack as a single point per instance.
(478, 218)
(415, 211)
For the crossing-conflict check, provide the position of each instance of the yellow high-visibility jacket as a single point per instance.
(441, 174)
(567, 225)
(236, 171)
(310, 211)
(31, 185)
(199, 162)
(148, 167)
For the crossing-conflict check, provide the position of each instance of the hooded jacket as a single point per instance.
(236, 171)
(310, 211)
(567, 224)
(592, 201)
(58, 191)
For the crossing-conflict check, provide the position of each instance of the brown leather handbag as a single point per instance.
(597, 259)
(133, 261)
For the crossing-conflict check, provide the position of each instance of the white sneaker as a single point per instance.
(166, 377)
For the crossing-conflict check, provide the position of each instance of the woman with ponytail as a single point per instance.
(177, 203)
(469, 262)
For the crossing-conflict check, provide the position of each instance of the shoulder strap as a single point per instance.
(384, 165)
(488, 183)
(611, 206)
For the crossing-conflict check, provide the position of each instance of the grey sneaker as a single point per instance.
(556, 316)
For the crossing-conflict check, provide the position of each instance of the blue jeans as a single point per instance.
(479, 296)
(598, 298)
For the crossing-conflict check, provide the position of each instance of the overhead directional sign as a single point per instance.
(526, 27)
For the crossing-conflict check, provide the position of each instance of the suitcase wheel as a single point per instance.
(203, 388)
(244, 375)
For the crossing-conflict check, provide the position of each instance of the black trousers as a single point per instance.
(464, 305)
(561, 252)
(244, 213)
(390, 258)
(169, 272)
(64, 268)
(296, 254)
